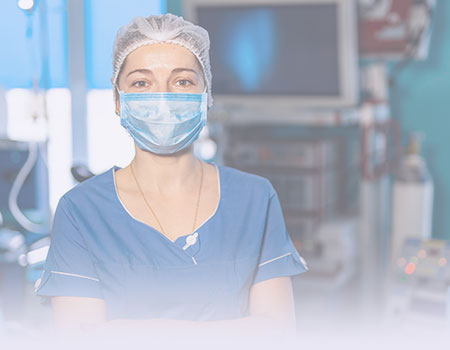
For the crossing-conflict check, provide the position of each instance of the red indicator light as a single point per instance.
(410, 268)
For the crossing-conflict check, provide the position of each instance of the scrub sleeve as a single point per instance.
(278, 255)
(68, 270)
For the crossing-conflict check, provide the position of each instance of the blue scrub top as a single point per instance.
(98, 249)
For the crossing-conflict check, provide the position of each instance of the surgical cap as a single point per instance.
(166, 28)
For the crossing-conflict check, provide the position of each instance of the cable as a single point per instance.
(17, 186)
(413, 42)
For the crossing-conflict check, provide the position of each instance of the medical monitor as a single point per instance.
(295, 53)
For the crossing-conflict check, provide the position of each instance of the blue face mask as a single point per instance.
(163, 123)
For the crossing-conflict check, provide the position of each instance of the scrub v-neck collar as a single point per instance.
(181, 239)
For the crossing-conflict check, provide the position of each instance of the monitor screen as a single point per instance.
(290, 49)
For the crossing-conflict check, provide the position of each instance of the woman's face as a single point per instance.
(161, 67)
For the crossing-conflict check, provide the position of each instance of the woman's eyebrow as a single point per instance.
(178, 70)
(141, 70)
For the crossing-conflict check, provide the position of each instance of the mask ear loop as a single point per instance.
(117, 99)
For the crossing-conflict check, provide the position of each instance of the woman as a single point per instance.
(169, 237)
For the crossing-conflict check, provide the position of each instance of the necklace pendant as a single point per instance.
(190, 240)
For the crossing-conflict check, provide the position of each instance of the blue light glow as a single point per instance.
(251, 51)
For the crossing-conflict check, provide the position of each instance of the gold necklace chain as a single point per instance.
(150, 207)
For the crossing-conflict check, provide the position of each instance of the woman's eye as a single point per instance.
(140, 84)
(184, 82)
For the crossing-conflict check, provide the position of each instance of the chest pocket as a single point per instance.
(197, 292)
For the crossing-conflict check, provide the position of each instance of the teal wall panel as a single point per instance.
(175, 7)
(421, 102)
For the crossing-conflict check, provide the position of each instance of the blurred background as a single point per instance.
(342, 104)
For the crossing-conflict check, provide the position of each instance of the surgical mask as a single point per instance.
(163, 123)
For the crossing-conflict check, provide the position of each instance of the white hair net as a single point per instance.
(162, 28)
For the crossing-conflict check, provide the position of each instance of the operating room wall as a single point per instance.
(420, 100)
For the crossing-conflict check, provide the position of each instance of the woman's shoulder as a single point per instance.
(244, 181)
(98, 187)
